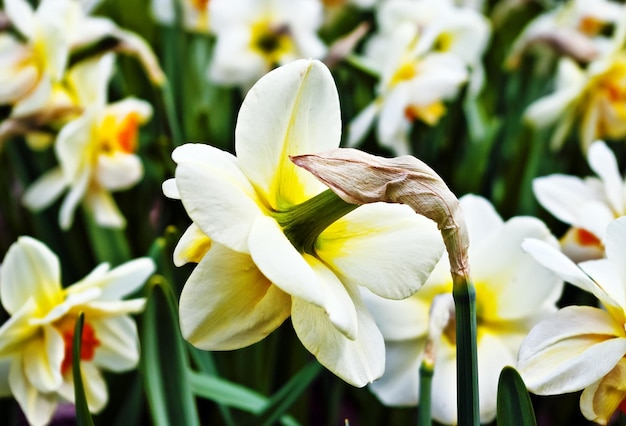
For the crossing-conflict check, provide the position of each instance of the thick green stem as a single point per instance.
(424, 417)
(464, 296)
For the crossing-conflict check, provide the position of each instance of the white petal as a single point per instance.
(443, 400)
(45, 190)
(21, 15)
(42, 359)
(291, 110)
(93, 383)
(605, 275)
(281, 263)
(399, 386)
(38, 407)
(387, 248)
(570, 350)
(616, 247)
(120, 281)
(101, 204)
(362, 123)
(74, 196)
(90, 79)
(118, 171)
(603, 163)
(216, 194)
(563, 267)
(480, 216)
(358, 361)
(30, 269)
(228, 304)
(18, 329)
(563, 195)
(119, 345)
(192, 246)
(547, 110)
(170, 190)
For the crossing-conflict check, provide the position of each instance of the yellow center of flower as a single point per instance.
(443, 42)
(199, 5)
(405, 72)
(429, 114)
(606, 92)
(117, 134)
(271, 41)
(89, 342)
(590, 26)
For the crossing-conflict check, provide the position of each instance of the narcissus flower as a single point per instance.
(255, 36)
(96, 151)
(36, 342)
(582, 347)
(272, 243)
(591, 99)
(588, 204)
(513, 292)
(423, 52)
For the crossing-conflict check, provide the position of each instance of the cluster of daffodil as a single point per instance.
(272, 236)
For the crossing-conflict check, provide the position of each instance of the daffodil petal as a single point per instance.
(547, 110)
(42, 359)
(362, 123)
(616, 248)
(102, 205)
(120, 281)
(399, 386)
(37, 406)
(192, 246)
(563, 267)
(398, 319)
(443, 400)
(170, 190)
(90, 79)
(119, 345)
(386, 248)
(30, 269)
(209, 180)
(359, 361)
(281, 263)
(115, 307)
(605, 275)
(118, 171)
(480, 216)
(18, 329)
(45, 190)
(517, 283)
(293, 110)
(562, 195)
(21, 15)
(94, 385)
(227, 303)
(602, 161)
(74, 196)
(570, 350)
(599, 401)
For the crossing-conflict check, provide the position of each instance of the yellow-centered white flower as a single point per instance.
(272, 243)
(255, 36)
(583, 347)
(513, 292)
(587, 204)
(36, 341)
(96, 151)
(422, 52)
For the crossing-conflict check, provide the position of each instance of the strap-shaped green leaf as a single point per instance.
(514, 405)
(83, 416)
(164, 361)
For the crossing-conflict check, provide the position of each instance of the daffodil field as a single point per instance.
(312, 212)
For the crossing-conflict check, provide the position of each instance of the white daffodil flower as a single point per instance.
(575, 28)
(513, 292)
(36, 341)
(588, 205)
(96, 151)
(31, 68)
(422, 52)
(590, 98)
(272, 243)
(582, 347)
(254, 36)
(195, 13)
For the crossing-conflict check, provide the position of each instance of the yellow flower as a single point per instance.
(272, 243)
(36, 342)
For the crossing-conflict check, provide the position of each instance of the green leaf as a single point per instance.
(280, 402)
(232, 394)
(164, 362)
(83, 416)
(514, 405)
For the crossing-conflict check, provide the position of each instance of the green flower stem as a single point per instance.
(426, 380)
(303, 223)
(464, 296)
